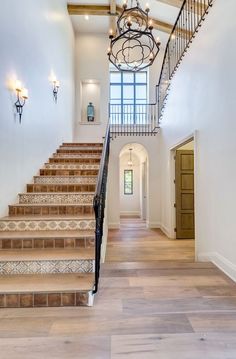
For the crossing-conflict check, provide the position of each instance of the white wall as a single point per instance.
(152, 147)
(202, 100)
(92, 64)
(36, 38)
(130, 204)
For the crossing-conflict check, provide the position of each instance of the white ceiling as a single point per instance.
(100, 24)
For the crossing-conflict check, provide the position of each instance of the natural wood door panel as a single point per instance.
(184, 175)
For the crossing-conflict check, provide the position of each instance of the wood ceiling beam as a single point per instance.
(113, 15)
(107, 10)
(103, 10)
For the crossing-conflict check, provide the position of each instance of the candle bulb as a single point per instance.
(24, 93)
(129, 23)
(57, 83)
(111, 34)
(18, 85)
(150, 24)
(147, 7)
(151, 56)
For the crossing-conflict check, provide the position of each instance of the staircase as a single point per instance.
(47, 243)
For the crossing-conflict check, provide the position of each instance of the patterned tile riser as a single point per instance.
(46, 243)
(51, 209)
(56, 198)
(46, 266)
(75, 160)
(79, 155)
(72, 166)
(80, 151)
(49, 188)
(65, 180)
(44, 299)
(68, 172)
(46, 225)
(86, 148)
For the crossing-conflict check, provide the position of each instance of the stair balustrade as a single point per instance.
(99, 205)
(190, 18)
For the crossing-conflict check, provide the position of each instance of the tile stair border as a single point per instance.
(56, 198)
(65, 179)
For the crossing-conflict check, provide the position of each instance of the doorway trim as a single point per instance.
(187, 139)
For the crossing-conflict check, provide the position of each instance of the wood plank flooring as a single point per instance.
(154, 302)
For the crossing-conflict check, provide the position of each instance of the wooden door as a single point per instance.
(184, 189)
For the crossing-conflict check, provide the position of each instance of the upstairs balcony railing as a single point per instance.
(133, 119)
(190, 18)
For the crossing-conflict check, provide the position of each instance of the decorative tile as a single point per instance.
(65, 180)
(77, 155)
(27, 243)
(82, 298)
(54, 299)
(21, 225)
(26, 300)
(46, 266)
(86, 148)
(6, 244)
(40, 300)
(56, 198)
(68, 299)
(2, 300)
(12, 300)
(67, 166)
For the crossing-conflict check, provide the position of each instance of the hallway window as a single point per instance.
(128, 97)
(128, 181)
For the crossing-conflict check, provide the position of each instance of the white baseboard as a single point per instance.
(130, 213)
(153, 224)
(166, 231)
(114, 225)
(221, 262)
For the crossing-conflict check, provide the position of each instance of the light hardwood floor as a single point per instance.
(154, 302)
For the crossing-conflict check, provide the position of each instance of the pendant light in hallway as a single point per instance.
(130, 162)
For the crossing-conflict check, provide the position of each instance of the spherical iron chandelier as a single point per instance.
(133, 47)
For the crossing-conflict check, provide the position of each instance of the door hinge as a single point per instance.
(175, 229)
(174, 157)
(174, 181)
(175, 205)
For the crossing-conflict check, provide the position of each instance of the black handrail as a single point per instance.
(191, 15)
(99, 204)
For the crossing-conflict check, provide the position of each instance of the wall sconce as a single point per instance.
(56, 85)
(22, 96)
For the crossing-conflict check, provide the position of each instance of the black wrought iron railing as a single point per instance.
(190, 18)
(99, 205)
(133, 119)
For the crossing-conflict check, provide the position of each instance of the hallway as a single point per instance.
(152, 303)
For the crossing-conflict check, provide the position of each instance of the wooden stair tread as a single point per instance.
(43, 204)
(67, 176)
(46, 283)
(55, 193)
(47, 234)
(47, 254)
(48, 218)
